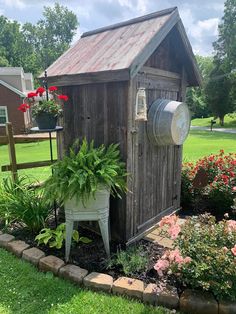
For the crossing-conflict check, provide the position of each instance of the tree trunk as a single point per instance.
(222, 120)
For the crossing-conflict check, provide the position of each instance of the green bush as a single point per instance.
(84, 170)
(204, 256)
(22, 202)
(131, 261)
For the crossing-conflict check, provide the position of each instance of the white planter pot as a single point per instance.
(94, 209)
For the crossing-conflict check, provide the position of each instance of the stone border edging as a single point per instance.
(190, 301)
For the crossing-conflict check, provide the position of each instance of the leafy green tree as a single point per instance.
(195, 97)
(218, 93)
(52, 35)
(35, 47)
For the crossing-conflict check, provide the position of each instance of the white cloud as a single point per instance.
(19, 4)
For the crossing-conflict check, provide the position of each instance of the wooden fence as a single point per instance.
(10, 140)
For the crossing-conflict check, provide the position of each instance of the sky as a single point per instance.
(200, 17)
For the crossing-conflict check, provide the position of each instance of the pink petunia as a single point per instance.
(231, 225)
(174, 231)
(161, 266)
(233, 250)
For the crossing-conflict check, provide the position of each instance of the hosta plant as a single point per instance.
(204, 254)
(84, 171)
(55, 238)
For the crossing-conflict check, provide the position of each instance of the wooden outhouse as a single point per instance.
(103, 74)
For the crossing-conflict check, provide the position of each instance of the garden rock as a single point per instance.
(227, 307)
(128, 286)
(73, 273)
(98, 281)
(150, 294)
(51, 263)
(5, 239)
(17, 247)
(168, 297)
(33, 255)
(198, 302)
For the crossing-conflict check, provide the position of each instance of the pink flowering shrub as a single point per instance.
(204, 254)
(220, 191)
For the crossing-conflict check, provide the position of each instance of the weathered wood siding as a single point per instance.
(156, 169)
(99, 112)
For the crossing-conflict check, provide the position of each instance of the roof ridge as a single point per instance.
(131, 21)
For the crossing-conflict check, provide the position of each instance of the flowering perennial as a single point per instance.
(204, 254)
(220, 191)
(39, 103)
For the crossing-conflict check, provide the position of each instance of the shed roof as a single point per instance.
(120, 47)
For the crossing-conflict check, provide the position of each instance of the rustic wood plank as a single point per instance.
(90, 78)
(27, 165)
(11, 150)
(160, 72)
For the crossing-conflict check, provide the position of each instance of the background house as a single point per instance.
(14, 86)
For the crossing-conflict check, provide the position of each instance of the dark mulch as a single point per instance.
(92, 256)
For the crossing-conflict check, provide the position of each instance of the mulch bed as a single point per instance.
(92, 256)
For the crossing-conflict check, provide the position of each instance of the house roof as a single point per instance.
(13, 89)
(120, 47)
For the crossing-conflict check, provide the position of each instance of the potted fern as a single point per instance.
(83, 181)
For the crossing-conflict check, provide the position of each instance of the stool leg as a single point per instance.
(69, 231)
(103, 224)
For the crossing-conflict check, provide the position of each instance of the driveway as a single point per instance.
(204, 128)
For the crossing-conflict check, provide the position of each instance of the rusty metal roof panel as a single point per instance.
(110, 48)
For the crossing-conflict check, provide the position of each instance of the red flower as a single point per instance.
(31, 95)
(63, 97)
(23, 107)
(40, 90)
(52, 88)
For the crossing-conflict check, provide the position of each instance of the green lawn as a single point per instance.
(28, 152)
(230, 122)
(203, 143)
(24, 290)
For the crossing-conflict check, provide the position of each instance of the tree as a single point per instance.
(218, 93)
(35, 47)
(195, 97)
(52, 35)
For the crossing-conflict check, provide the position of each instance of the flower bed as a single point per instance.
(204, 255)
(216, 186)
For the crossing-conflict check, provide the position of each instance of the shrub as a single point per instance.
(204, 255)
(131, 261)
(219, 193)
(20, 201)
(56, 237)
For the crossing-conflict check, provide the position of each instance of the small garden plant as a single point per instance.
(24, 203)
(219, 192)
(204, 256)
(55, 238)
(131, 261)
(84, 171)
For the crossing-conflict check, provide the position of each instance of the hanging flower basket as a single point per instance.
(46, 106)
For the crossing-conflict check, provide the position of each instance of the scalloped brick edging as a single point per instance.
(190, 301)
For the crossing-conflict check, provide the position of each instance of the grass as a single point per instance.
(203, 143)
(24, 290)
(230, 122)
(29, 152)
